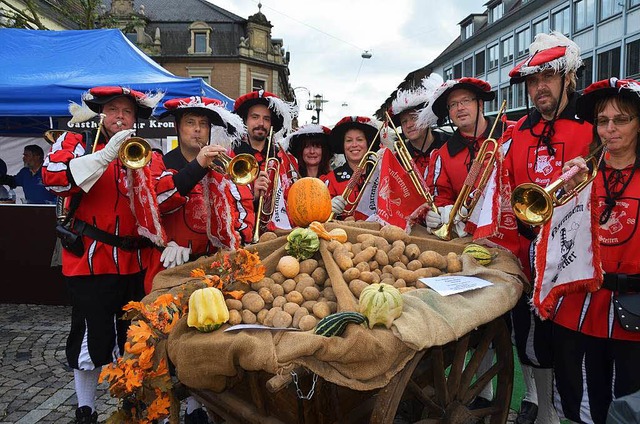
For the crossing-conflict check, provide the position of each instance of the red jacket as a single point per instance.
(337, 181)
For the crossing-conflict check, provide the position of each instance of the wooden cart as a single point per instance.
(438, 383)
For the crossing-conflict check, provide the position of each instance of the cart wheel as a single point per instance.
(437, 387)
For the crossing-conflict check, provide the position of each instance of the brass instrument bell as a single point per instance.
(135, 152)
(242, 169)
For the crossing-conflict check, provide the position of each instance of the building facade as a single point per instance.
(493, 42)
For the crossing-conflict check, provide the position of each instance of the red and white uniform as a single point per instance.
(337, 181)
(422, 159)
(106, 206)
(592, 313)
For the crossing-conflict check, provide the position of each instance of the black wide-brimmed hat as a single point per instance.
(597, 91)
(211, 108)
(363, 123)
(295, 140)
(282, 113)
(94, 99)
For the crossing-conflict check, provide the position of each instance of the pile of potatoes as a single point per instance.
(299, 301)
(389, 259)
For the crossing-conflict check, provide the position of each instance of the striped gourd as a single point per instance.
(479, 253)
(335, 324)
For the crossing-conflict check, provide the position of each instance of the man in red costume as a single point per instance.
(105, 264)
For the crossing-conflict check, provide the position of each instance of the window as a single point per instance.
(587, 74)
(584, 14)
(633, 59)
(480, 63)
(200, 42)
(609, 64)
(496, 13)
(467, 68)
(258, 84)
(541, 27)
(200, 38)
(448, 74)
(634, 3)
(200, 72)
(132, 36)
(608, 8)
(561, 21)
(494, 54)
(505, 94)
(492, 105)
(457, 71)
(507, 50)
(523, 39)
(520, 94)
(468, 31)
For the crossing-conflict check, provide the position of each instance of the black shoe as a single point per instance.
(84, 415)
(528, 413)
(198, 416)
(480, 403)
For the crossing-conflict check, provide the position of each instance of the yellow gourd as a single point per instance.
(336, 234)
(207, 309)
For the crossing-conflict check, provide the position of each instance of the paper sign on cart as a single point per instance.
(453, 284)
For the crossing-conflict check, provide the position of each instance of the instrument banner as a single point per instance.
(368, 204)
(288, 175)
(398, 200)
(485, 217)
(567, 253)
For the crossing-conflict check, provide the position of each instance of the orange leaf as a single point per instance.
(198, 273)
(236, 294)
(140, 331)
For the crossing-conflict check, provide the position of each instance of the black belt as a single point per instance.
(623, 283)
(122, 242)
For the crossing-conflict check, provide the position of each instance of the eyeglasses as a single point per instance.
(618, 121)
(463, 103)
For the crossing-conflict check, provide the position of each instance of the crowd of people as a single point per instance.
(125, 224)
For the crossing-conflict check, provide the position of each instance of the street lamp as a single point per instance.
(316, 104)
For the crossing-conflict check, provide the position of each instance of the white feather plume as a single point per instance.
(80, 113)
(426, 116)
(570, 62)
(286, 110)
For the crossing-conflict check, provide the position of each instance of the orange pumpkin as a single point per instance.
(308, 200)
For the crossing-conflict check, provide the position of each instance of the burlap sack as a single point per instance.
(361, 359)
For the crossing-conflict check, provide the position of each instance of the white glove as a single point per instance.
(87, 169)
(338, 204)
(174, 255)
(434, 220)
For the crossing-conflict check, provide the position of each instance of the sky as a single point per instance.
(326, 39)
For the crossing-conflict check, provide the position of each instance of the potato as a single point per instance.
(327, 282)
(268, 320)
(348, 246)
(295, 297)
(395, 253)
(282, 320)
(303, 284)
(399, 283)
(356, 248)
(310, 293)
(307, 323)
(233, 304)
(269, 235)
(288, 266)
(427, 272)
(387, 269)
(366, 255)
(265, 282)
(399, 265)
(321, 310)
(333, 245)
(356, 287)
(412, 251)
(386, 274)
(404, 259)
(409, 276)
(301, 276)
(266, 295)
(333, 307)
(299, 314)
(253, 302)
(290, 308)
(262, 315)
(363, 266)
(341, 256)
(234, 317)
(308, 304)
(381, 258)
(351, 274)
(370, 242)
(369, 277)
(388, 280)
(328, 294)
(381, 243)
(277, 277)
(373, 265)
(279, 302)
(289, 285)
(414, 265)
(277, 290)
(392, 233)
(248, 317)
(362, 237)
(308, 266)
(421, 285)
(454, 264)
(319, 275)
(406, 289)
(432, 258)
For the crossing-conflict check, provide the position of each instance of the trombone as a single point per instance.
(262, 213)
(242, 169)
(409, 166)
(470, 193)
(534, 205)
(366, 166)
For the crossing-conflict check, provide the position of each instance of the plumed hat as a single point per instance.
(586, 103)
(295, 141)
(548, 51)
(282, 112)
(437, 108)
(363, 123)
(95, 98)
(414, 99)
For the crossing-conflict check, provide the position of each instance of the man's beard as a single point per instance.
(258, 137)
(549, 107)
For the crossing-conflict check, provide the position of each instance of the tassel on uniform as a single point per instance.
(144, 205)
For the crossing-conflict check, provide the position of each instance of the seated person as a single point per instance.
(30, 177)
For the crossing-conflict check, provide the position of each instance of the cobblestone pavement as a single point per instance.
(36, 384)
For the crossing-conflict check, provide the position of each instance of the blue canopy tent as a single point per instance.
(43, 70)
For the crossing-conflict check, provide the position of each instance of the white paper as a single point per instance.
(257, 327)
(453, 284)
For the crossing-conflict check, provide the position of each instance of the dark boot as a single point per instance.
(84, 415)
(528, 413)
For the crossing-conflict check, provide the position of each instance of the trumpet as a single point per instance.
(135, 152)
(409, 166)
(366, 166)
(534, 205)
(242, 169)
(263, 215)
(472, 187)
